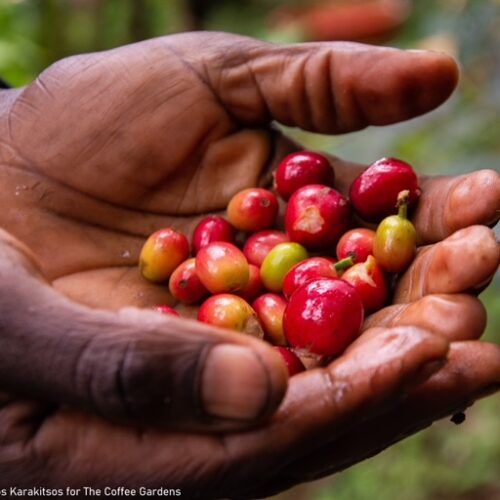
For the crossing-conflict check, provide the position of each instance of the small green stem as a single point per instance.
(402, 203)
(343, 264)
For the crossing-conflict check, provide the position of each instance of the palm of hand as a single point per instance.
(98, 173)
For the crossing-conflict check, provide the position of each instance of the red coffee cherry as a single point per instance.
(210, 229)
(356, 243)
(317, 216)
(270, 308)
(369, 281)
(374, 192)
(261, 243)
(300, 169)
(323, 316)
(185, 285)
(164, 309)
(292, 361)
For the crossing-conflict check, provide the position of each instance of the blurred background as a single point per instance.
(446, 462)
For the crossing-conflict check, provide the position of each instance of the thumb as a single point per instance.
(131, 366)
(330, 87)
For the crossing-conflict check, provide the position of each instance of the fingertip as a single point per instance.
(442, 72)
(474, 199)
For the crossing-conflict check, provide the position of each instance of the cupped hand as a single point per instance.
(101, 150)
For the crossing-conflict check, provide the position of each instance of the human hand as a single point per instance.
(84, 193)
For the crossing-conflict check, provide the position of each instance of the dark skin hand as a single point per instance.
(103, 149)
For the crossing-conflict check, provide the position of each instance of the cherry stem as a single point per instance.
(402, 203)
(344, 264)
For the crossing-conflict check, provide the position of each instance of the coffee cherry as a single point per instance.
(222, 267)
(164, 309)
(230, 311)
(253, 209)
(261, 243)
(369, 281)
(185, 285)
(163, 251)
(323, 316)
(395, 242)
(307, 270)
(356, 243)
(374, 192)
(316, 216)
(300, 169)
(292, 361)
(278, 262)
(270, 308)
(254, 286)
(210, 229)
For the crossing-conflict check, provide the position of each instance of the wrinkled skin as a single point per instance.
(101, 150)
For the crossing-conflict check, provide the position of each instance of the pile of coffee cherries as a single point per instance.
(306, 289)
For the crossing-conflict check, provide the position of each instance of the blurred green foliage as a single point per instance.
(445, 462)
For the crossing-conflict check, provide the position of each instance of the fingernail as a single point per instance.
(235, 384)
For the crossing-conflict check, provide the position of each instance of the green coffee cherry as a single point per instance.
(395, 243)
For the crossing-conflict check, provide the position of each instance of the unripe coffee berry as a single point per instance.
(222, 267)
(163, 251)
(278, 262)
(230, 311)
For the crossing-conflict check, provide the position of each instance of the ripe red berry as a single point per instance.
(292, 361)
(253, 209)
(270, 308)
(323, 316)
(164, 309)
(230, 311)
(222, 267)
(210, 229)
(374, 192)
(316, 216)
(300, 169)
(260, 244)
(163, 251)
(254, 285)
(356, 243)
(369, 281)
(307, 270)
(185, 285)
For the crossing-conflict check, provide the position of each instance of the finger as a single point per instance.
(452, 203)
(456, 317)
(134, 365)
(464, 261)
(319, 404)
(472, 371)
(321, 87)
